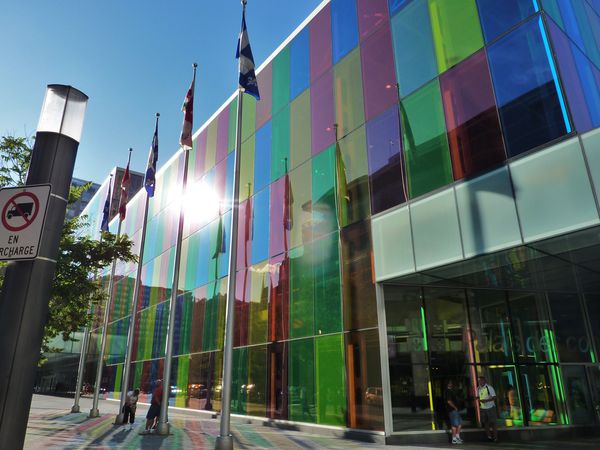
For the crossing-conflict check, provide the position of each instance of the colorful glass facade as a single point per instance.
(380, 122)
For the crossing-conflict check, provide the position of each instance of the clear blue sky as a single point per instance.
(133, 58)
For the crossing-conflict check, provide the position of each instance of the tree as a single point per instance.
(74, 287)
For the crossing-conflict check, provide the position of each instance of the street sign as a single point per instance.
(23, 210)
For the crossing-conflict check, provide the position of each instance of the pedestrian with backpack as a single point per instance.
(487, 408)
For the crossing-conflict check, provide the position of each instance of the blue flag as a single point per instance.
(244, 54)
(106, 211)
(150, 181)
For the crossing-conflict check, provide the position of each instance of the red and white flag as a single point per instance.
(185, 140)
(124, 194)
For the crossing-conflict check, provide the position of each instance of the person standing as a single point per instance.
(453, 414)
(487, 408)
(154, 411)
(130, 406)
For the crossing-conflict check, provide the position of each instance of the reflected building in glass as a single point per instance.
(419, 203)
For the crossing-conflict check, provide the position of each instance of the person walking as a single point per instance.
(487, 408)
(130, 406)
(154, 410)
(453, 414)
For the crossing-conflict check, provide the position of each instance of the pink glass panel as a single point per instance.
(471, 117)
(277, 231)
(220, 181)
(371, 15)
(222, 135)
(200, 154)
(320, 43)
(379, 76)
(279, 307)
(322, 113)
(242, 307)
(263, 107)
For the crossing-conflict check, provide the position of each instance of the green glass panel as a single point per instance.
(280, 144)
(232, 124)
(300, 198)
(300, 138)
(221, 312)
(248, 117)
(328, 298)
(206, 298)
(324, 216)
(259, 304)
(211, 146)
(239, 380)
(281, 80)
(185, 325)
(330, 380)
(425, 141)
(456, 31)
(347, 79)
(183, 368)
(302, 301)
(247, 169)
(137, 374)
(257, 381)
(118, 380)
(301, 381)
(353, 178)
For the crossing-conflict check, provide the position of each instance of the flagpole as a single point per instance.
(136, 293)
(94, 411)
(163, 420)
(85, 342)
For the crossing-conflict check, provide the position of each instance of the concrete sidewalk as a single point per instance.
(52, 426)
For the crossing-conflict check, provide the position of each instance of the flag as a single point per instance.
(244, 54)
(220, 247)
(124, 193)
(288, 200)
(185, 140)
(342, 183)
(150, 180)
(106, 211)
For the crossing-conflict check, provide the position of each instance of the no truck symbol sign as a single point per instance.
(22, 214)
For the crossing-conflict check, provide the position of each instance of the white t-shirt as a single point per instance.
(486, 393)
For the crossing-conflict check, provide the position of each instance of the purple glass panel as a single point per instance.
(263, 107)
(386, 171)
(244, 247)
(277, 230)
(222, 135)
(320, 43)
(200, 154)
(474, 133)
(379, 76)
(220, 181)
(371, 15)
(322, 113)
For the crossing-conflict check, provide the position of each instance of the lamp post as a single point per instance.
(27, 284)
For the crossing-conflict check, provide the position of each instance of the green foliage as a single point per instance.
(15, 155)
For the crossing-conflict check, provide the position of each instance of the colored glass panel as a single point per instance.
(265, 85)
(320, 43)
(344, 28)
(248, 117)
(232, 124)
(277, 363)
(260, 227)
(299, 63)
(301, 381)
(244, 250)
(301, 212)
(371, 15)
(360, 309)
(242, 307)
(258, 323)
(456, 31)
(498, 17)
(201, 382)
(281, 80)
(413, 47)
(349, 108)
(352, 178)
(474, 133)
(262, 157)
(278, 232)
(300, 138)
(302, 302)
(326, 272)
(210, 154)
(239, 380)
(532, 109)
(330, 380)
(279, 307)
(324, 194)
(387, 176)
(280, 144)
(199, 303)
(571, 337)
(322, 113)
(198, 156)
(424, 141)
(379, 78)
(257, 381)
(222, 134)
(396, 5)
(247, 169)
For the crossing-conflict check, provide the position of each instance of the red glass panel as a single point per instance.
(320, 43)
(322, 113)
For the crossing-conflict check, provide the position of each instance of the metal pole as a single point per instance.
(136, 293)
(163, 419)
(225, 440)
(84, 346)
(94, 411)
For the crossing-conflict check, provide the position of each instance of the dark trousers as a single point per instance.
(128, 413)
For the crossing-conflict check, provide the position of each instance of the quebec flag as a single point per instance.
(244, 54)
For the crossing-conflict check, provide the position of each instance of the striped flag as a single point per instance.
(244, 54)
(150, 180)
(342, 184)
(185, 140)
(106, 210)
(124, 193)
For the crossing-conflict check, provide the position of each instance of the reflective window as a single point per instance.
(326, 273)
(324, 194)
(256, 387)
(330, 380)
(532, 109)
(592, 303)
(533, 339)
(508, 398)
(239, 380)
(262, 154)
(248, 124)
(541, 394)
(498, 17)
(322, 113)
(347, 79)
(278, 231)
(320, 43)
(260, 226)
(579, 399)
(571, 337)
(299, 64)
(247, 169)
(300, 140)
(277, 363)
(371, 15)
(301, 380)
(279, 312)
(281, 80)
(344, 28)
(223, 135)
(265, 84)
(258, 323)
(201, 381)
(302, 303)
(280, 144)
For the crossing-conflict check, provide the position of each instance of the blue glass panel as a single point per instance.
(344, 27)
(299, 64)
(395, 5)
(529, 98)
(262, 157)
(499, 16)
(413, 47)
(202, 240)
(260, 226)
